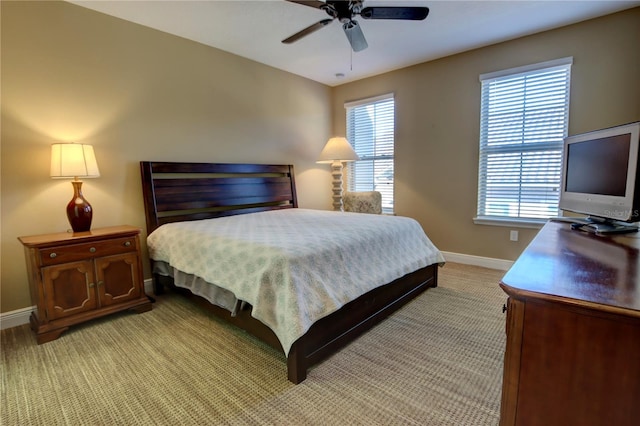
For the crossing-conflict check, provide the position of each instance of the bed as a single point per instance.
(214, 211)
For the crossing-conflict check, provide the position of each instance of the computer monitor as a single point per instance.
(600, 176)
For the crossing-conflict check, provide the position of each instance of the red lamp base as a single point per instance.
(79, 210)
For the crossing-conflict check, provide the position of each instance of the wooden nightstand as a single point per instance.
(76, 277)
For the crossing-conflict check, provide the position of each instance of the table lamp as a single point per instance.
(336, 151)
(71, 160)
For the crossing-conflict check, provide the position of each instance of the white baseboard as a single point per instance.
(21, 316)
(486, 262)
(15, 318)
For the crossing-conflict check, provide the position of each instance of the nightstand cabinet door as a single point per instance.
(69, 289)
(117, 278)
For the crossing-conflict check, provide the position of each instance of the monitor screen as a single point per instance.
(598, 166)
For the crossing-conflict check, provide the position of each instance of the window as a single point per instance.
(370, 129)
(523, 122)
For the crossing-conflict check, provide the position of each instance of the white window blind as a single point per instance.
(370, 129)
(524, 119)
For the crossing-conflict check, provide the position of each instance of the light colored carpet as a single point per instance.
(437, 361)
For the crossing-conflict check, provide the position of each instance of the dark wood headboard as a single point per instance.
(190, 191)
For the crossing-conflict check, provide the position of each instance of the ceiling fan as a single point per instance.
(346, 10)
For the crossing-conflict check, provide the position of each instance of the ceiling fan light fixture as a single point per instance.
(355, 36)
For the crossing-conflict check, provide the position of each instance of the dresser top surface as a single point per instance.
(580, 267)
(78, 237)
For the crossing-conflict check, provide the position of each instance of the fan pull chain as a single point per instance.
(351, 58)
(350, 35)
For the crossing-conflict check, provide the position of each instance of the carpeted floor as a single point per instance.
(437, 361)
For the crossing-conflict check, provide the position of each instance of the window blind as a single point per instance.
(370, 129)
(524, 120)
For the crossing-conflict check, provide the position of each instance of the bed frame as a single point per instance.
(190, 191)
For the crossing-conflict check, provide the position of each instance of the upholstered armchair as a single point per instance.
(362, 202)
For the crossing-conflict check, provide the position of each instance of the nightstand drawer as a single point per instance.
(73, 252)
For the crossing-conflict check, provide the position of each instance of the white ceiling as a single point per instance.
(254, 29)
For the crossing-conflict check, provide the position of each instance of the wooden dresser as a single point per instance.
(75, 277)
(573, 331)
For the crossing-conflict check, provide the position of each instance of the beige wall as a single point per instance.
(71, 74)
(438, 115)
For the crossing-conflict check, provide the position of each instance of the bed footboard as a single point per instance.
(337, 330)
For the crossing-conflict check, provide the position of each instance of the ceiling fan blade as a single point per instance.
(355, 36)
(406, 13)
(305, 32)
(311, 3)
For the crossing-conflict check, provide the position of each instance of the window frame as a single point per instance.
(369, 155)
(548, 146)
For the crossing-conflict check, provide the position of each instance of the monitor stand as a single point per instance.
(598, 225)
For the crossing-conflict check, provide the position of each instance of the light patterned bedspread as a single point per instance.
(295, 266)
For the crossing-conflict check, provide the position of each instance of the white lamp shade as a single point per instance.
(73, 160)
(337, 149)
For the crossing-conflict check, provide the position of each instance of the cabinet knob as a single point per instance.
(127, 243)
(53, 255)
(100, 283)
(91, 285)
(92, 250)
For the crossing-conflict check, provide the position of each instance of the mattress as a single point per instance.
(294, 266)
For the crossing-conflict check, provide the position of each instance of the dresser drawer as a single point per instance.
(73, 252)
